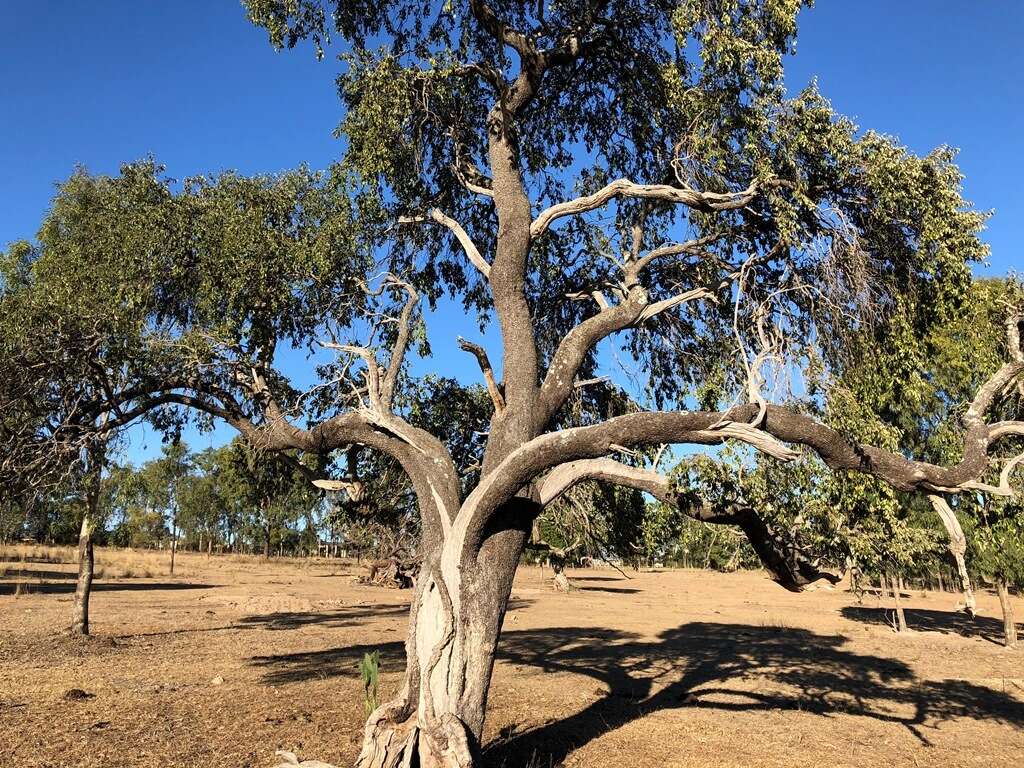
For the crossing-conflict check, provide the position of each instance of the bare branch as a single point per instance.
(692, 247)
(493, 388)
(673, 301)
(563, 477)
(390, 380)
(703, 201)
(472, 252)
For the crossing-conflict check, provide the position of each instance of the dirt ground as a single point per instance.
(232, 659)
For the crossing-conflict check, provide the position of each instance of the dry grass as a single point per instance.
(678, 669)
(774, 622)
(117, 563)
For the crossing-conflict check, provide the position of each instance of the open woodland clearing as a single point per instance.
(673, 668)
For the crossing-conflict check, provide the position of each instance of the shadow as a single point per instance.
(68, 587)
(333, 662)
(704, 665)
(621, 590)
(341, 617)
(596, 578)
(31, 573)
(699, 664)
(181, 631)
(948, 622)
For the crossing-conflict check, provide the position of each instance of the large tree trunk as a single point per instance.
(1009, 626)
(86, 564)
(455, 622)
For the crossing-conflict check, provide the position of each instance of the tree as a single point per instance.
(64, 347)
(164, 479)
(611, 172)
(275, 491)
(997, 545)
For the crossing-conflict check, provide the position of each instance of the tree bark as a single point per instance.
(1009, 625)
(957, 548)
(174, 540)
(86, 564)
(901, 618)
(455, 622)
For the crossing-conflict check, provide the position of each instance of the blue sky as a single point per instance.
(194, 84)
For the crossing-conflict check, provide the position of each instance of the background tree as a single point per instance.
(276, 493)
(997, 549)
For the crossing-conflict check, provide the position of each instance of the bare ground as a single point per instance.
(677, 668)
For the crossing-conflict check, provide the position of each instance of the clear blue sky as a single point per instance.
(190, 81)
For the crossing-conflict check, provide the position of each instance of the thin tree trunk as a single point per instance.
(174, 539)
(711, 546)
(1009, 626)
(901, 618)
(86, 566)
(957, 548)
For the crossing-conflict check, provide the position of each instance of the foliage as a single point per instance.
(369, 673)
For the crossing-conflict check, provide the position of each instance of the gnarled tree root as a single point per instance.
(395, 738)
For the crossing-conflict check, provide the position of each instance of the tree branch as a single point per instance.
(703, 201)
(782, 559)
(493, 388)
(472, 252)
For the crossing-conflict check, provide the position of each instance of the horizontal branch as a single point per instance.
(703, 201)
(781, 558)
(777, 427)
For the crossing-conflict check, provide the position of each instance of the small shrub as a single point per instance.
(369, 671)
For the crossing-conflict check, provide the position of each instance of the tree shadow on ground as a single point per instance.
(17, 574)
(333, 662)
(703, 665)
(619, 590)
(949, 622)
(68, 587)
(696, 665)
(340, 617)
